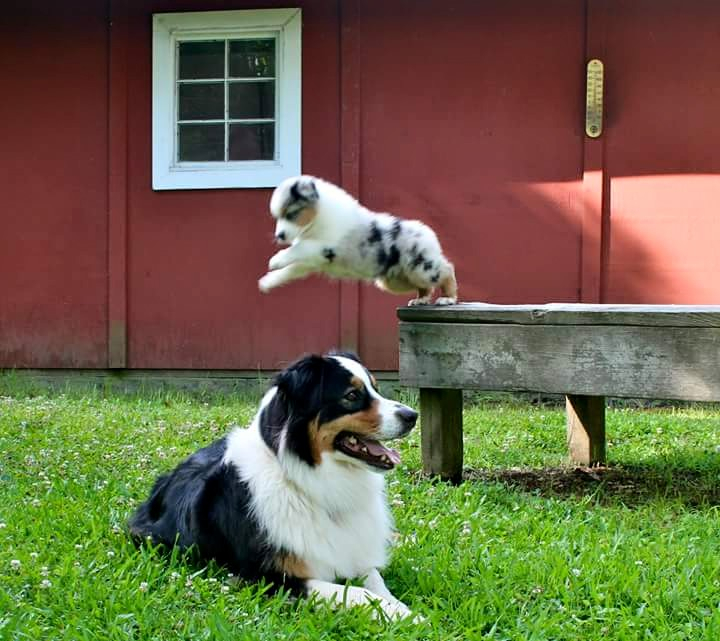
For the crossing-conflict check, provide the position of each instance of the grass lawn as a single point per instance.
(525, 549)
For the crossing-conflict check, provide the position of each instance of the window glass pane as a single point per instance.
(201, 142)
(252, 142)
(252, 99)
(201, 60)
(252, 58)
(201, 101)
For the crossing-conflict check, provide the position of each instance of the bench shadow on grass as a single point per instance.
(692, 482)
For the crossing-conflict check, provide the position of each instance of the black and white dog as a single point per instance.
(331, 233)
(296, 499)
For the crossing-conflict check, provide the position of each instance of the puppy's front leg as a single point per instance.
(280, 277)
(351, 595)
(305, 251)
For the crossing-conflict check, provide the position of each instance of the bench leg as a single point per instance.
(586, 428)
(442, 439)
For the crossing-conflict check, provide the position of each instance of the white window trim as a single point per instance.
(168, 29)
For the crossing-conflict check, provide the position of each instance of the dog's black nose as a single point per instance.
(407, 416)
(280, 236)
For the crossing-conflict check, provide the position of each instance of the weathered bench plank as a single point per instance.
(586, 352)
(567, 314)
(637, 362)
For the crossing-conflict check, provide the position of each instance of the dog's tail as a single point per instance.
(143, 523)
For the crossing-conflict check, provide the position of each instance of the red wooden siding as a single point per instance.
(466, 114)
(472, 121)
(662, 157)
(53, 162)
(194, 257)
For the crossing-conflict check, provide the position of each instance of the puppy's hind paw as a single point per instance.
(446, 300)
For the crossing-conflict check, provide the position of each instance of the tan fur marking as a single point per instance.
(322, 437)
(289, 564)
(305, 217)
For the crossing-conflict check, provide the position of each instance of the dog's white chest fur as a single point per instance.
(332, 516)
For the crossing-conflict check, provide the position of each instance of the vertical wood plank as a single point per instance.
(586, 428)
(442, 437)
(595, 185)
(117, 185)
(350, 153)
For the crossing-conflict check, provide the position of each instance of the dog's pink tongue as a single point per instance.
(378, 449)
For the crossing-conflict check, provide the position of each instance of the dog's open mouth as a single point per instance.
(368, 450)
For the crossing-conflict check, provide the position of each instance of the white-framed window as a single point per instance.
(226, 98)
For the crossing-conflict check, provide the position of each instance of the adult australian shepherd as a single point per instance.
(297, 499)
(331, 233)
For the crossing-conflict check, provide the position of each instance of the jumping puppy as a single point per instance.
(330, 233)
(297, 498)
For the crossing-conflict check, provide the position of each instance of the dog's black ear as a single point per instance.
(297, 401)
(301, 382)
(305, 189)
(345, 354)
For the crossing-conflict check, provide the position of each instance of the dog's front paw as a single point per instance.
(395, 610)
(446, 300)
(422, 300)
(279, 260)
(267, 282)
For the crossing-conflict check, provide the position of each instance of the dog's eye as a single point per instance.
(353, 396)
(292, 215)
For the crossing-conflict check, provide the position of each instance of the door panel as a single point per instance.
(663, 70)
(471, 121)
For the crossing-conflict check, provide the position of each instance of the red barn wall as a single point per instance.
(472, 121)
(53, 173)
(466, 114)
(194, 257)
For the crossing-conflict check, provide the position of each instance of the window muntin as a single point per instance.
(230, 83)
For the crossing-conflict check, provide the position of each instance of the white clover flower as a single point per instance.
(575, 571)
(44, 570)
(15, 564)
(143, 586)
(2, 525)
(34, 555)
(224, 589)
(45, 584)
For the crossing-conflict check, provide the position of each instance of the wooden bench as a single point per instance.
(586, 352)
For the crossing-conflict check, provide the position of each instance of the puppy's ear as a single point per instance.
(305, 189)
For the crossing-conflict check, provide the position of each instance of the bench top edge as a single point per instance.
(565, 313)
